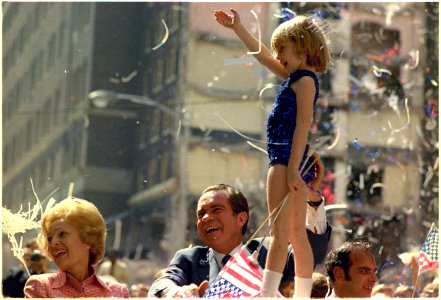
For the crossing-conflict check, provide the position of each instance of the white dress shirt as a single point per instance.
(316, 219)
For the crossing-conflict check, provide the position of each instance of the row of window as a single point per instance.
(55, 110)
(26, 32)
(162, 71)
(50, 169)
(36, 128)
(40, 65)
(156, 169)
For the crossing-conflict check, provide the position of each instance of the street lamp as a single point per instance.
(104, 98)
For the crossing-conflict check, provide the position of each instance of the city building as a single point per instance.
(54, 55)
(189, 110)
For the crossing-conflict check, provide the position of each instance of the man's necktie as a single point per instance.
(226, 259)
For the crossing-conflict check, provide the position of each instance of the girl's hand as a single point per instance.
(320, 172)
(295, 181)
(226, 20)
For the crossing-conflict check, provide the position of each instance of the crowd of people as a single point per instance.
(73, 236)
(73, 232)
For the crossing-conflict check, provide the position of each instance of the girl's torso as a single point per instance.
(282, 119)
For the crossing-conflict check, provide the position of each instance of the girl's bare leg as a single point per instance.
(303, 258)
(277, 189)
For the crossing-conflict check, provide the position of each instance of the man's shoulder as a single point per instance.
(193, 251)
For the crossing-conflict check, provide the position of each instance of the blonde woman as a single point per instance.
(73, 235)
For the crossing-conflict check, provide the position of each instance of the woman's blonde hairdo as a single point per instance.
(308, 38)
(85, 217)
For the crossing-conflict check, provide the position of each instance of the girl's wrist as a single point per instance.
(317, 193)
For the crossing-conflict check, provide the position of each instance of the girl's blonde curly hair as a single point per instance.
(308, 38)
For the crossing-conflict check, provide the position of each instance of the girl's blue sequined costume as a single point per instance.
(282, 123)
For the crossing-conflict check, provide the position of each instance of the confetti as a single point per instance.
(375, 185)
(335, 206)
(361, 181)
(238, 61)
(285, 14)
(259, 34)
(415, 58)
(243, 135)
(379, 71)
(267, 86)
(357, 145)
(337, 137)
(129, 77)
(257, 147)
(164, 39)
(408, 119)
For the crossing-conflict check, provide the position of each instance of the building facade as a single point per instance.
(145, 169)
(54, 55)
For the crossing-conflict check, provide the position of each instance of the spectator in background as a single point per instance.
(39, 262)
(32, 244)
(351, 269)
(382, 291)
(318, 291)
(14, 282)
(287, 288)
(404, 291)
(73, 234)
(115, 267)
(139, 290)
(430, 290)
(319, 286)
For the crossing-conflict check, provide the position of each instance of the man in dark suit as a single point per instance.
(222, 218)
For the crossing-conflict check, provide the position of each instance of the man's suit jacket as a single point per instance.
(196, 264)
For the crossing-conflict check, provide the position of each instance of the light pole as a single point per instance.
(178, 221)
(104, 98)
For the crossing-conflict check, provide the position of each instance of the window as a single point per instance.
(79, 82)
(359, 188)
(60, 39)
(56, 109)
(375, 48)
(10, 14)
(34, 73)
(6, 157)
(165, 166)
(141, 177)
(51, 51)
(152, 172)
(171, 65)
(158, 76)
(173, 17)
(28, 133)
(37, 124)
(155, 123)
(81, 15)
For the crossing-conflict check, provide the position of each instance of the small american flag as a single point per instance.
(429, 252)
(240, 278)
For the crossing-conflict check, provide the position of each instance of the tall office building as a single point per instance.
(54, 55)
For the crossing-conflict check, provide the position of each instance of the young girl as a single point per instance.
(301, 51)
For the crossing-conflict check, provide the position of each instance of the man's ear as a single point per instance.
(339, 274)
(242, 217)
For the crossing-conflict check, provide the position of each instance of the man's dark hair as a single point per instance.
(319, 286)
(340, 257)
(237, 200)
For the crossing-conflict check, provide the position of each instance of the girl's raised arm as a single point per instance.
(264, 56)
